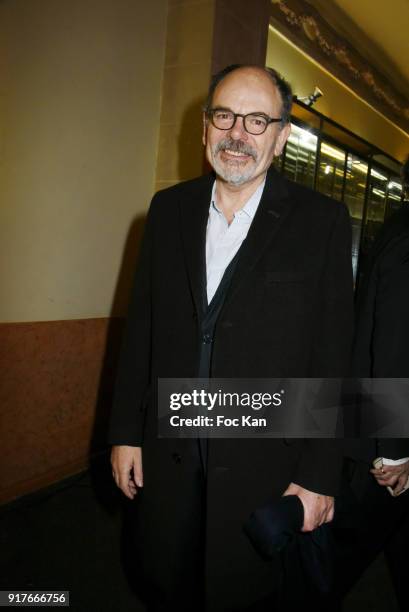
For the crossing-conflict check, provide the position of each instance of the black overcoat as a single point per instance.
(376, 521)
(381, 343)
(288, 313)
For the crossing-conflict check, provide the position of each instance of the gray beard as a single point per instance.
(232, 175)
(231, 171)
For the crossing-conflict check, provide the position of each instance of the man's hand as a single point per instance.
(395, 476)
(126, 464)
(318, 509)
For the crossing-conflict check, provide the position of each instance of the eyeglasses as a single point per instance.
(254, 123)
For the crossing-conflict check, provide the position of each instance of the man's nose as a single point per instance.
(238, 132)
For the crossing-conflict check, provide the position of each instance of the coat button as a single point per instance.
(207, 339)
(177, 458)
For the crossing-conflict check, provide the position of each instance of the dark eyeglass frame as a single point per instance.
(210, 113)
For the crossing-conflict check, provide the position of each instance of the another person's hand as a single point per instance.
(126, 464)
(318, 509)
(394, 476)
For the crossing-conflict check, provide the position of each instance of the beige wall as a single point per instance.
(338, 103)
(203, 36)
(80, 84)
(185, 82)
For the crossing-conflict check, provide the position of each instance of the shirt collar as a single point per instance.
(250, 207)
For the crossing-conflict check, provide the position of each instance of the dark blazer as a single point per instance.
(381, 346)
(288, 313)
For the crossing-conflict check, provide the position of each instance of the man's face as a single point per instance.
(237, 156)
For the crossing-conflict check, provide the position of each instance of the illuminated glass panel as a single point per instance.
(393, 195)
(300, 156)
(354, 198)
(331, 171)
(375, 212)
(344, 176)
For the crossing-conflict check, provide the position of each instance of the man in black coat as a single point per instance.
(378, 517)
(275, 258)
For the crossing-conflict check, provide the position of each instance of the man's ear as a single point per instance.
(282, 139)
(204, 134)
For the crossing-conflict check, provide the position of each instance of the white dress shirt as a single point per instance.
(224, 240)
(394, 461)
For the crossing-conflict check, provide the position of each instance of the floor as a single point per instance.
(68, 537)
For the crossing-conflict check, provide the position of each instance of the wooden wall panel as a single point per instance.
(240, 33)
(56, 381)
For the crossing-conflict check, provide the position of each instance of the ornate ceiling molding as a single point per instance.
(305, 27)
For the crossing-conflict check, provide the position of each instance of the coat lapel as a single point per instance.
(273, 209)
(194, 211)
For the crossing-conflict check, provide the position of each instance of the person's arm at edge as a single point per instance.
(390, 349)
(126, 425)
(318, 473)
